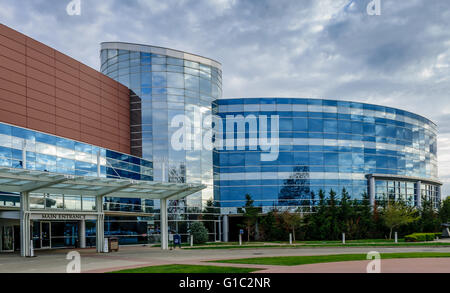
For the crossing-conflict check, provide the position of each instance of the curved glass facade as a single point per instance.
(46, 152)
(165, 83)
(325, 144)
(50, 153)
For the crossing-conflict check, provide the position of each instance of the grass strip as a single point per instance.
(184, 269)
(312, 259)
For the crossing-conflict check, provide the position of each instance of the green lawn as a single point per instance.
(183, 269)
(311, 259)
(327, 244)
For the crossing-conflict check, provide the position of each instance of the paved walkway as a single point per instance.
(138, 256)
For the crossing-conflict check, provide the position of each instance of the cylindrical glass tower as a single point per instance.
(166, 83)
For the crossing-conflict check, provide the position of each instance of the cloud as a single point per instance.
(299, 48)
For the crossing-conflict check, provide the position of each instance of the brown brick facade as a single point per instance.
(45, 90)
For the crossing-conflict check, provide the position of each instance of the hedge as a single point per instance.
(421, 237)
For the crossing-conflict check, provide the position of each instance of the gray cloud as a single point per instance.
(302, 48)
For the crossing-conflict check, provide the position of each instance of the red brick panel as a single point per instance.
(45, 90)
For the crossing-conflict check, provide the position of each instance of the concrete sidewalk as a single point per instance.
(54, 261)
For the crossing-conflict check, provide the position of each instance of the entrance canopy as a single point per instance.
(21, 180)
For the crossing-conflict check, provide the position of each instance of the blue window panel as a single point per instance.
(301, 158)
(344, 126)
(285, 158)
(331, 159)
(315, 125)
(329, 103)
(286, 124)
(9, 163)
(369, 129)
(345, 159)
(16, 154)
(316, 148)
(330, 126)
(5, 153)
(392, 132)
(300, 124)
(24, 133)
(316, 158)
(159, 79)
(345, 136)
(330, 136)
(175, 80)
(192, 83)
(357, 127)
(330, 115)
(5, 129)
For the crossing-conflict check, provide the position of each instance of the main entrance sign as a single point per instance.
(62, 217)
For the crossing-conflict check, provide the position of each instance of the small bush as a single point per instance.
(200, 233)
(420, 237)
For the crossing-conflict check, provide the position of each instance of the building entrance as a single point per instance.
(55, 234)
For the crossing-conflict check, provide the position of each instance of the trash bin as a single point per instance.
(176, 240)
(113, 244)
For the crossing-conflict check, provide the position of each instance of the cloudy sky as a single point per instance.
(300, 48)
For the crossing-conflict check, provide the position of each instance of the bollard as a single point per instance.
(31, 249)
(290, 238)
(192, 240)
(396, 237)
(343, 238)
(240, 239)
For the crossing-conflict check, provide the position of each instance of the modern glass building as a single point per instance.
(85, 154)
(326, 144)
(164, 84)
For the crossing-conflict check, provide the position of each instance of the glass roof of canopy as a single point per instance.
(21, 180)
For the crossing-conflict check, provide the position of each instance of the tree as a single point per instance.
(270, 226)
(318, 224)
(345, 212)
(397, 214)
(429, 218)
(200, 233)
(292, 221)
(250, 215)
(444, 212)
(363, 211)
(332, 216)
(209, 214)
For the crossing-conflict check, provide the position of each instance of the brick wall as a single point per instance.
(45, 90)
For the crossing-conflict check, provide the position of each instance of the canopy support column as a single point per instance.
(82, 232)
(100, 226)
(164, 225)
(25, 227)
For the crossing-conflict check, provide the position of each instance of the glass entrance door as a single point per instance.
(46, 235)
(7, 238)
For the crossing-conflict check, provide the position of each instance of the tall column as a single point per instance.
(225, 228)
(82, 233)
(419, 194)
(164, 225)
(25, 228)
(439, 195)
(372, 191)
(100, 226)
(24, 154)
(98, 164)
(220, 230)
